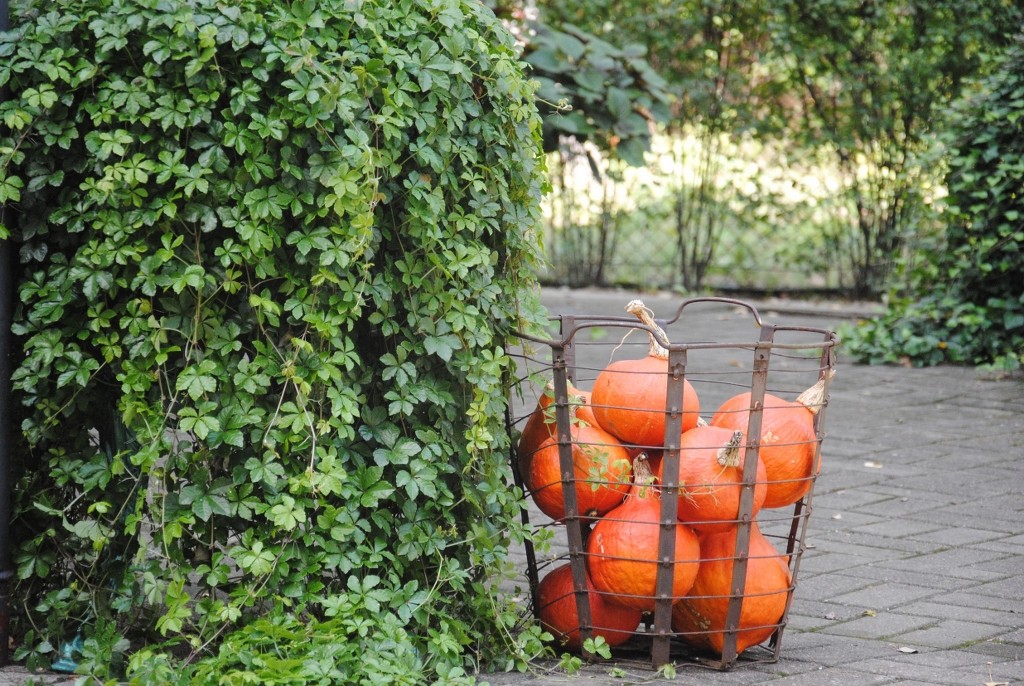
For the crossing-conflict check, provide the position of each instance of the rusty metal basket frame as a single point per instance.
(563, 368)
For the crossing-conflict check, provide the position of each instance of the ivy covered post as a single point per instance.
(270, 256)
(6, 416)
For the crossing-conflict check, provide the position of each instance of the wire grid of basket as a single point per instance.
(778, 360)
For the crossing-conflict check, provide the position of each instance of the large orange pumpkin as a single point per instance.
(711, 463)
(788, 440)
(557, 611)
(622, 549)
(700, 617)
(601, 468)
(628, 396)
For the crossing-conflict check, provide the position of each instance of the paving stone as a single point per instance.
(834, 478)
(885, 596)
(1017, 539)
(1003, 545)
(971, 597)
(998, 651)
(958, 535)
(834, 650)
(812, 586)
(951, 562)
(800, 622)
(819, 562)
(945, 659)
(833, 677)
(899, 527)
(826, 521)
(908, 667)
(958, 515)
(929, 578)
(945, 489)
(952, 633)
(1009, 565)
(1016, 636)
(1011, 587)
(954, 461)
(842, 544)
(881, 626)
(821, 613)
(915, 504)
(849, 499)
(893, 544)
(940, 609)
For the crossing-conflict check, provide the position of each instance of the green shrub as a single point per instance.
(270, 254)
(966, 304)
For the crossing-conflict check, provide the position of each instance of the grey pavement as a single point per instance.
(914, 573)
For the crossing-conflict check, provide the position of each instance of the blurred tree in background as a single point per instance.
(844, 99)
(966, 302)
(875, 78)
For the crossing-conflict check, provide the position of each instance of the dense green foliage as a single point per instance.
(966, 301)
(589, 89)
(900, 63)
(853, 91)
(270, 253)
(593, 90)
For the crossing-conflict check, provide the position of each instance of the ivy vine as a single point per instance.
(270, 255)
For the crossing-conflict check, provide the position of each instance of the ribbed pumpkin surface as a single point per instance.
(788, 443)
(601, 467)
(558, 613)
(702, 615)
(622, 550)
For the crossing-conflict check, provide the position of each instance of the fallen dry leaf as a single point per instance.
(869, 613)
(990, 682)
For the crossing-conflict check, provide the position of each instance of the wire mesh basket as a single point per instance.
(677, 524)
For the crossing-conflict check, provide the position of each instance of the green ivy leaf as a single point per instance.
(198, 379)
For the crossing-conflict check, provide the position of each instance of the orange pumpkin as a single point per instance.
(711, 479)
(601, 468)
(700, 617)
(557, 611)
(628, 397)
(622, 550)
(540, 425)
(788, 440)
(584, 408)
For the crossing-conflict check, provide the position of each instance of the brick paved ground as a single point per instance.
(917, 528)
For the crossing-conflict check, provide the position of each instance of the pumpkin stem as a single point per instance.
(643, 478)
(814, 397)
(645, 315)
(576, 401)
(729, 454)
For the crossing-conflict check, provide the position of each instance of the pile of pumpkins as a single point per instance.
(616, 430)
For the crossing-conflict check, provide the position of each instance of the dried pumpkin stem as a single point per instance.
(643, 478)
(814, 397)
(729, 454)
(645, 315)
